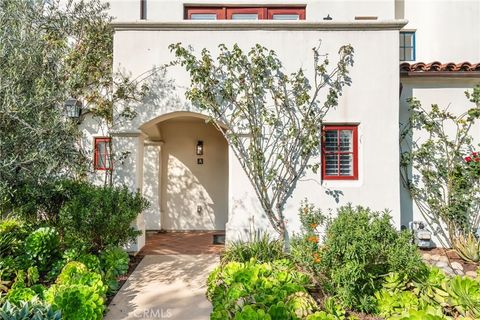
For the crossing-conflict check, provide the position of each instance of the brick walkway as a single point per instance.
(191, 242)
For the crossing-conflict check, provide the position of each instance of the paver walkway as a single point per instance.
(166, 287)
(193, 242)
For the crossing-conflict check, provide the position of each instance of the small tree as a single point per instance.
(50, 52)
(272, 120)
(444, 183)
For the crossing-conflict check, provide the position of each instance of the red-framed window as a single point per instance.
(102, 157)
(340, 152)
(286, 14)
(205, 13)
(244, 13)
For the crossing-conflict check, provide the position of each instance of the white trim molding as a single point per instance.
(189, 25)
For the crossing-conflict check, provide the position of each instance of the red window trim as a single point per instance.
(354, 129)
(96, 153)
(297, 10)
(219, 11)
(225, 13)
(261, 12)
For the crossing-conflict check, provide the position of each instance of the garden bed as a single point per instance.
(132, 265)
(449, 261)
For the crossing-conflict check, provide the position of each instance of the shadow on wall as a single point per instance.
(189, 205)
(194, 196)
(406, 201)
(163, 97)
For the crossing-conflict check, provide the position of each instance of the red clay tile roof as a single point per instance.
(438, 66)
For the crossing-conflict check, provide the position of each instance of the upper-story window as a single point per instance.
(245, 13)
(407, 46)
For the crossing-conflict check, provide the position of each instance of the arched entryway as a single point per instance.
(187, 187)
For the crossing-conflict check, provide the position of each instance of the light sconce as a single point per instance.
(328, 18)
(199, 148)
(73, 108)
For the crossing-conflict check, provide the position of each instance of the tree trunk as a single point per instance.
(285, 237)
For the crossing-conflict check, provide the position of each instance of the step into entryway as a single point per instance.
(183, 242)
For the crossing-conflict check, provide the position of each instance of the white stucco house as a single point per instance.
(395, 43)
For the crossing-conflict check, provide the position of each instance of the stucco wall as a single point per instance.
(91, 128)
(371, 102)
(446, 30)
(173, 10)
(193, 196)
(446, 93)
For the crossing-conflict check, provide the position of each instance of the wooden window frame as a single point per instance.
(301, 11)
(218, 11)
(261, 12)
(96, 142)
(225, 13)
(354, 129)
(405, 47)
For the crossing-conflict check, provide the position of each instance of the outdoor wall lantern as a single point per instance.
(73, 108)
(199, 148)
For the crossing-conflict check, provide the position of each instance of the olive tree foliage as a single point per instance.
(441, 170)
(49, 52)
(272, 120)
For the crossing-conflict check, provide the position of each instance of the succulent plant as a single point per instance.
(467, 247)
(301, 304)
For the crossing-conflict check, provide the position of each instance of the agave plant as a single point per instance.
(467, 247)
(32, 310)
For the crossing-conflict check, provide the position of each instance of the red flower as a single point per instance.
(475, 154)
(468, 159)
(476, 159)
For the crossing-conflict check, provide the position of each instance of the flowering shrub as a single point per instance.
(443, 182)
(473, 164)
(305, 247)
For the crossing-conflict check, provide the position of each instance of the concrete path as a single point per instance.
(165, 287)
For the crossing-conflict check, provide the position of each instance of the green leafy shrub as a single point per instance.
(12, 234)
(96, 217)
(78, 293)
(92, 262)
(9, 266)
(34, 309)
(114, 263)
(262, 248)
(76, 273)
(76, 302)
(361, 247)
(260, 290)
(42, 247)
(19, 292)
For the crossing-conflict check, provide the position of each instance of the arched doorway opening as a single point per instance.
(185, 174)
